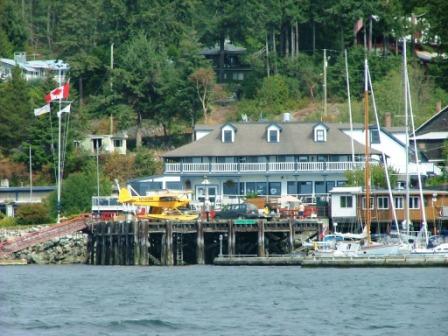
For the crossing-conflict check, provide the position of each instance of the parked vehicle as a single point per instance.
(233, 211)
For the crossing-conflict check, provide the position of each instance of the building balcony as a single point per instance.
(261, 167)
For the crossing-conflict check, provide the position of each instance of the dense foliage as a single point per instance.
(140, 61)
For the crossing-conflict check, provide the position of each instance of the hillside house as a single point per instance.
(234, 69)
(432, 135)
(35, 69)
(104, 143)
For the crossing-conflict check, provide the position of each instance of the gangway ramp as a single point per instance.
(64, 228)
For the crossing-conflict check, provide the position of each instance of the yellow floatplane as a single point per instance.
(162, 205)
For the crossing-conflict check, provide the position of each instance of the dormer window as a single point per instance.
(273, 133)
(320, 133)
(228, 133)
(273, 136)
(227, 136)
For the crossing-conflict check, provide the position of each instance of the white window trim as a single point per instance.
(418, 202)
(317, 131)
(232, 133)
(402, 202)
(273, 128)
(277, 133)
(347, 197)
(378, 202)
(372, 203)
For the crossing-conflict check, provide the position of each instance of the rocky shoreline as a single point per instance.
(70, 249)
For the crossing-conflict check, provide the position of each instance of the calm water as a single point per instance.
(207, 300)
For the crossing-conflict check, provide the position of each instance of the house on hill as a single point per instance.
(388, 140)
(432, 135)
(35, 69)
(104, 143)
(233, 69)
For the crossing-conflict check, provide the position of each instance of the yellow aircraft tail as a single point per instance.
(124, 196)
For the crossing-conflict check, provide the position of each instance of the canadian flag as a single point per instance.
(61, 92)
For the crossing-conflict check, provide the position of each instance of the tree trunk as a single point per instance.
(49, 26)
(268, 69)
(193, 124)
(138, 133)
(342, 37)
(297, 39)
(286, 31)
(221, 58)
(293, 44)
(274, 50)
(314, 37)
(80, 92)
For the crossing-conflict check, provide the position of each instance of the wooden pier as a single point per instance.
(179, 243)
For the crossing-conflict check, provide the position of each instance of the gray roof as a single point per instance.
(250, 140)
(228, 48)
(27, 189)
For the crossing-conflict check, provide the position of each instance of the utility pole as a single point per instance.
(31, 177)
(111, 87)
(325, 84)
(268, 70)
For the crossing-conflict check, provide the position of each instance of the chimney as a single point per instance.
(438, 106)
(286, 117)
(387, 119)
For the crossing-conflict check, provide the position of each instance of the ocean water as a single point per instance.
(210, 300)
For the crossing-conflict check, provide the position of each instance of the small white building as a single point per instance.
(104, 143)
(343, 202)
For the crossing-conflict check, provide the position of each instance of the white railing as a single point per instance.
(224, 167)
(172, 167)
(253, 167)
(310, 166)
(263, 167)
(282, 166)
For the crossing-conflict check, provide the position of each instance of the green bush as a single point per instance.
(7, 222)
(32, 214)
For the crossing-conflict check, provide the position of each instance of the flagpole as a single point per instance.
(58, 205)
(31, 178)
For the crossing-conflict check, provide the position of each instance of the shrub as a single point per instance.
(32, 214)
(8, 221)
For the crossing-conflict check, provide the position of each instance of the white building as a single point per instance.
(269, 159)
(105, 143)
(395, 151)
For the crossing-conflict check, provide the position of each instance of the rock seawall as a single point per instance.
(70, 249)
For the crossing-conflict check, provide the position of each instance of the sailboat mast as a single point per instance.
(349, 105)
(367, 152)
(406, 114)
(58, 204)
